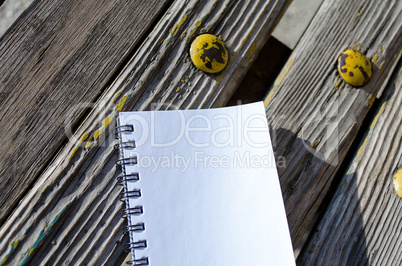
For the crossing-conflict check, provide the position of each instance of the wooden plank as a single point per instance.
(362, 225)
(313, 115)
(78, 188)
(56, 58)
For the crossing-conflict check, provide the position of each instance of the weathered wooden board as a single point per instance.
(72, 214)
(362, 225)
(55, 60)
(313, 115)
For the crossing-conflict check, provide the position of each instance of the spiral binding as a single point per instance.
(126, 194)
(140, 262)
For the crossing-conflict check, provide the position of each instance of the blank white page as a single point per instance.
(209, 188)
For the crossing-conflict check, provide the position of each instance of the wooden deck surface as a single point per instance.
(363, 222)
(68, 68)
(71, 214)
(314, 116)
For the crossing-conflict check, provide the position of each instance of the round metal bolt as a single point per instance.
(398, 182)
(208, 53)
(355, 68)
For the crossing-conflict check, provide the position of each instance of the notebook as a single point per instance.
(201, 188)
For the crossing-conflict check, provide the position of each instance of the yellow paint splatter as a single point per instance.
(221, 105)
(105, 123)
(364, 144)
(83, 139)
(361, 149)
(13, 247)
(315, 144)
(100, 131)
(269, 97)
(337, 81)
(30, 251)
(74, 151)
(382, 64)
(377, 116)
(284, 71)
(343, 186)
(371, 100)
(375, 58)
(176, 28)
(244, 40)
(193, 30)
(117, 96)
(97, 133)
(44, 190)
(123, 100)
(178, 88)
(88, 145)
(252, 49)
(397, 55)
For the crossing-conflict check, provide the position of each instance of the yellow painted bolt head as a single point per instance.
(398, 183)
(354, 68)
(208, 53)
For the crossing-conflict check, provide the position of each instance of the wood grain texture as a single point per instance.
(78, 188)
(56, 59)
(314, 116)
(362, 225)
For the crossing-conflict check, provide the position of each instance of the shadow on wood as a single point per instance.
(287, 147)
(362, 222)
(344, 243)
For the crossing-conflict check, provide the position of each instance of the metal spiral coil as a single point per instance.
(140, 227)
(123, 128)
(136, 245)
(137, 210)
(125, 145)
(125, 195)
(136, 193)
(140, 262)
(127, 177)
(129, 160)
